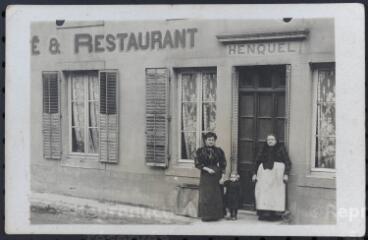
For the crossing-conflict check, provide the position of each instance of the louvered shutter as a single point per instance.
(157, 107)
(51, 117)
(109, 117)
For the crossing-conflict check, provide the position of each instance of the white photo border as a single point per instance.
(350, 114)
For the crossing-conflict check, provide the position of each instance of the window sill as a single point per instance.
(318, 179)
(82, 161)
(183, 169)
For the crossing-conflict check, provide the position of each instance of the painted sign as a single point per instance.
(263, 49)
(122, 42)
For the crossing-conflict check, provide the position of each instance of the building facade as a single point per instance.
(118, 108)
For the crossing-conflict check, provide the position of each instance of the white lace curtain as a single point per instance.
(198, 94)
(84, 98)
(326, 124)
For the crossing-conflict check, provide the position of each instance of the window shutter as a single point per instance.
(51, 117)
(157, 109)
(109, 117)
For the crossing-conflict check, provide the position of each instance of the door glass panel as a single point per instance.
(265, 105)
(246, 105)
(248, 78)
(266, 79)
(278, 77)
(255, 76)
(246, 128)
(246, 153)
(265, 128)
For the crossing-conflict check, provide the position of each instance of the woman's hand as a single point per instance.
(209, 170)
(254, 178)
(285, 178)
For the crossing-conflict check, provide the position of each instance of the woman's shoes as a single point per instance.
(275, 218)
(269, 217)
(209, 219)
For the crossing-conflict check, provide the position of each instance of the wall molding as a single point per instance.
(62, 24)
(263, 37)
(81, 65)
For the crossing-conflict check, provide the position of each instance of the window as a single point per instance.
(324, 123)
(197, 110)
(80, 118)
(84, 111)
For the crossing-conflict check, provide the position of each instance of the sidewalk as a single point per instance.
(65, 208)
(52, 208)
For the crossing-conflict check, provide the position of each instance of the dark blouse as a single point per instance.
(210, 157)
(268, 155)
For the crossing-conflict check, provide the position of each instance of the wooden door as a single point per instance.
(261, 111)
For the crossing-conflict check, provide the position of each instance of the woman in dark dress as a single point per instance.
(271, 172)
(212, 163)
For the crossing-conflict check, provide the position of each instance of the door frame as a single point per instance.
(235, 111)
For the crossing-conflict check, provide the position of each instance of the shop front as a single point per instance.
(124, 106)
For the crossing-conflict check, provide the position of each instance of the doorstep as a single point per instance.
(244, 218)
(247, 212)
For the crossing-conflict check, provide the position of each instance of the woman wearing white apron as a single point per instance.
(271, 172)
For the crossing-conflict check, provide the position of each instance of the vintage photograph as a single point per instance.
(182, 121)
(185, 123)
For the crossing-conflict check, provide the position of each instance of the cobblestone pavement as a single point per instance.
(51, 216)
(60, 209)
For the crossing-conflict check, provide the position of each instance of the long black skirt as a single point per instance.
(210, 197)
